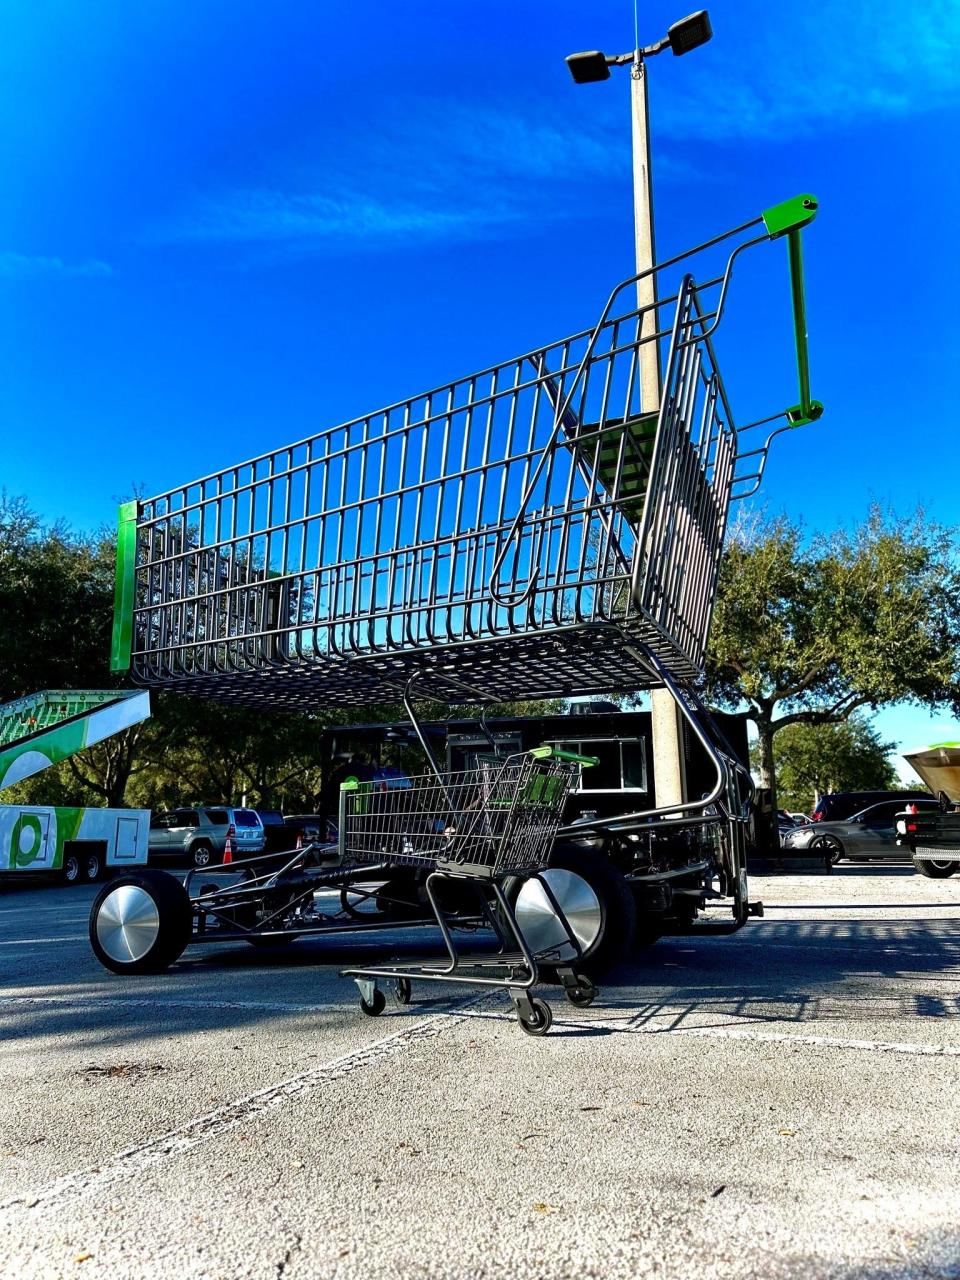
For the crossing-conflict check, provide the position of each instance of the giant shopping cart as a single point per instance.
(532, 530)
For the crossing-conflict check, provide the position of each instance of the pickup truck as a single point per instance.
(933, 835)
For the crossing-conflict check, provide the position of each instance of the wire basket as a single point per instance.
(529, 529)
(497, 819)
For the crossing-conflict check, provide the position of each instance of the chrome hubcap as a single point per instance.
(538, 921)
(127, 923)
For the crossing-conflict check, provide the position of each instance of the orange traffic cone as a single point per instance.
(228, 844)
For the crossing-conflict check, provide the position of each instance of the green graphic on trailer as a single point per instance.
(27, 842)
(45, 728)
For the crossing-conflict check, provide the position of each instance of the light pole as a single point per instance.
(587, 68)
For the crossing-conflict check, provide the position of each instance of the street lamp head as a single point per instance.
(689, 33)
(586, 68)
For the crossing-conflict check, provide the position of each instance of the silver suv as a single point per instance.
(199, 834)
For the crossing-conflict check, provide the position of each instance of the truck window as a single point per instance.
(622, 767)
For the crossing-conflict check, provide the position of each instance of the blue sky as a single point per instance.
(231, 224)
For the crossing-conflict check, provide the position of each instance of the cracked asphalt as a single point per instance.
(782, 1103)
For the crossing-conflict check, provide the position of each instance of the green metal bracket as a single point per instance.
(790, 215)
(124, 587)
(788, 219)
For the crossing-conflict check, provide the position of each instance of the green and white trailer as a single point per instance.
(76, 845)
(73, 844)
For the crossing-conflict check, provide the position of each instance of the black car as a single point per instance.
(837, 806)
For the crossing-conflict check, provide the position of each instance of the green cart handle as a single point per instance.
(788, 219)
(558, 753)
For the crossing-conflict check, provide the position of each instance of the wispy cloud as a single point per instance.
(440, 172)
(256, 216)
(473, 169)
(21, 266)
(842, 62)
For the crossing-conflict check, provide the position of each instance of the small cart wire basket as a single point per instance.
(536, 529)
(475, 829)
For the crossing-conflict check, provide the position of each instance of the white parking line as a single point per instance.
(176, 1142)
(109, 1001)
(29, 942)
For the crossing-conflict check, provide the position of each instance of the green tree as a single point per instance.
(808, 632)
(812, 759)
(56, 604)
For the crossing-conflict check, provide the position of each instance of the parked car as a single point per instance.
(837, 806)
(868, 834)
(198, 835)
(275, 831)
(311, 828)
(799, 819)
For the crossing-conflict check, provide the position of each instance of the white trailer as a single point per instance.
(76, 845)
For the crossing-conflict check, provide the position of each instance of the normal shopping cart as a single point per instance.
(534, 529)
(474, 830)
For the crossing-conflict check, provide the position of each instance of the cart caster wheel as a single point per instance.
(374, 1007)
(402, 990)
(541, 1021)
(583, 994)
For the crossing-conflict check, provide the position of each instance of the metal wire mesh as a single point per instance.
(497, 819)
(525, 528)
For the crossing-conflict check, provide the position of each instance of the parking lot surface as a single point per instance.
(781, 1103)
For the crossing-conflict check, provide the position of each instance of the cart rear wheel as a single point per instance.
(541, 1019)
(140, 923)
(402, 990)
(376, 1006)
(598, 905)
(935, 869)
(582, 995)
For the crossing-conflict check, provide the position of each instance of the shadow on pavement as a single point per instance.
(783, 971)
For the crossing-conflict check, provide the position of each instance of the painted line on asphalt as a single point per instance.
(29, 942)
(156, 1002)
(127, 1164)
(623, 1026)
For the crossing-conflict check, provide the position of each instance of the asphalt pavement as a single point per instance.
(780, 1103)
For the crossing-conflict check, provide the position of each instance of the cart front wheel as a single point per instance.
(140, 923)
(540, 1020)
(583, 994)
(374, 1007)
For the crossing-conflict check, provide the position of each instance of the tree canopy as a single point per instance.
(807, 632)
(812, 759)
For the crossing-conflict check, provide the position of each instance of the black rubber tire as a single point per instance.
(402, 990)
(202, 854)
(615, 939)
(91, 867)
(541, 1021)
(72, 870)
(582, 996)
(175, 922)
(400, 900)
(377, 1005)
(936, 870)
(829, 848)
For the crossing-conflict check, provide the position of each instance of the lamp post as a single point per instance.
(588, 68)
